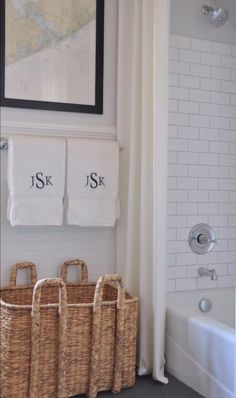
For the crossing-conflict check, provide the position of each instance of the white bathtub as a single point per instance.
(200, 348)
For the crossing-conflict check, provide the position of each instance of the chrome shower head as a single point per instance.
(218, 16)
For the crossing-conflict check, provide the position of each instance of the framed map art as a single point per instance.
(52, 54)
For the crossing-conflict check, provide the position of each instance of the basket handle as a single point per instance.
(79, 263)
(97, 311)
(35, 337)
(16, 267)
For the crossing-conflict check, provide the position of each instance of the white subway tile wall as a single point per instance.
(202, 160)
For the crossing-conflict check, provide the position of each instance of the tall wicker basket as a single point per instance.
(60, 340)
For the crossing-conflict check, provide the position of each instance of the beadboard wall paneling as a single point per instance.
(202, 159)
(48, 247)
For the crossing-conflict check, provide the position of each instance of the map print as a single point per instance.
(50, 50)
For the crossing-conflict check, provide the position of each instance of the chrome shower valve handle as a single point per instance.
(202, 238)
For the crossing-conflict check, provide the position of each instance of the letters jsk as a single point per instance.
(40, 181)
(93, 181)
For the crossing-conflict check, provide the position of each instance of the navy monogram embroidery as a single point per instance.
(40, 181)
(94, 181)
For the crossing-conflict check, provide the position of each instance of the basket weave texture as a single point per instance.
(60, 339)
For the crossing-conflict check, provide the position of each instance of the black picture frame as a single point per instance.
(97, 108)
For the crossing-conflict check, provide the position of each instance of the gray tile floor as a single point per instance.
(146, 387)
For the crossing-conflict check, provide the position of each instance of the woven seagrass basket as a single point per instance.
(59, 340)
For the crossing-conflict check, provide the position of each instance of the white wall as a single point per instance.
(187, 20)
(202, 159)
(49, 247)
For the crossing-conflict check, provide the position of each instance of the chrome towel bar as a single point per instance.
(4, 144)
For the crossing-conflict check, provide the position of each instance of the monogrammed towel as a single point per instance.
(36, 180)
(92, 182)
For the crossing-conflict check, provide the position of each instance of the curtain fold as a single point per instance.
(142, 122)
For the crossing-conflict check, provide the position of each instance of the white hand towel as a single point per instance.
(36, 180)
(92, 182)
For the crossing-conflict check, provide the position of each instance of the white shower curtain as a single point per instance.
(142, 131)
